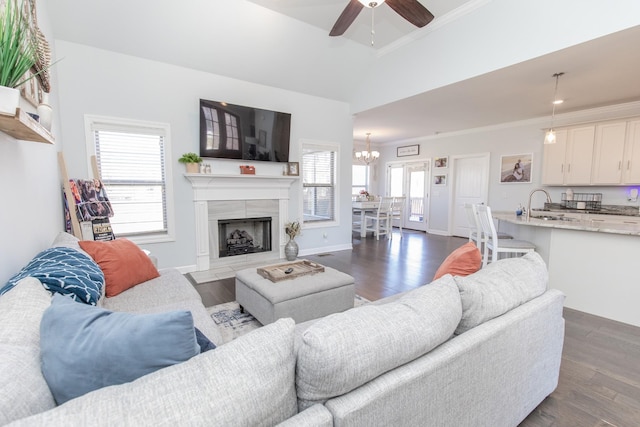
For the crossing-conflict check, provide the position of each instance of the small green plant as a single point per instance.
(190, 158)
(17, 46)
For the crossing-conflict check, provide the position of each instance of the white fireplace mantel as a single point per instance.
(239, 187)
(212, 187)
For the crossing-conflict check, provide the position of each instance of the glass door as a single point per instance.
(409, 180)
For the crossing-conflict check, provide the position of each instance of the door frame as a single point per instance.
(427, 189)
(454, 176)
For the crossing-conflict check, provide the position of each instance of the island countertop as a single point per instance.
(612, 224)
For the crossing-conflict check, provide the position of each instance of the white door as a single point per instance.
(470, 185)
(408, 179)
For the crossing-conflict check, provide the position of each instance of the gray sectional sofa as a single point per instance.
(480, 350)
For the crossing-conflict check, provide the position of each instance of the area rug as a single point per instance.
(233, 324)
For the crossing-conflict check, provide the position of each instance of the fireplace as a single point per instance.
(238, 197)
(244, 236)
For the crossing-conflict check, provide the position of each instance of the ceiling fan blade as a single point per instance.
(412, 11)
(346, 18)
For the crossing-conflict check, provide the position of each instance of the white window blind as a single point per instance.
(131, 163)
(319, 184)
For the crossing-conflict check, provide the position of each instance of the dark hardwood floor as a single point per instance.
(600, 372)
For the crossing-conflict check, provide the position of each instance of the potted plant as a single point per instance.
(17, 54)
(191, 161)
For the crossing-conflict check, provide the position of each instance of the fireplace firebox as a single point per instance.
(244, 236)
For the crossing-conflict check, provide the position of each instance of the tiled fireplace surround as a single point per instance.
(218, 197)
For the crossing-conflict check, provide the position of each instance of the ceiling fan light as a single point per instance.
(370, 4)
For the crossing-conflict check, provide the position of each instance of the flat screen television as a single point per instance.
(245, 133)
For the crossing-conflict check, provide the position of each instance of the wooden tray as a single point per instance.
(276, 273)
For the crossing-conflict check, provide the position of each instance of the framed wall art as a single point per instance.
(409, 150)
(293, 168)
(516, 168)
(440, 179)
(441, 162)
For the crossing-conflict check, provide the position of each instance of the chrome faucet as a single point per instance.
(528, 214)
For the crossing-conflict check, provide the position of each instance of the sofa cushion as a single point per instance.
(500, 287)
(73, 337)
(463, 261)
(247, 382)
(123, 263)
(23, 389)
(342, 351)
(65, 271)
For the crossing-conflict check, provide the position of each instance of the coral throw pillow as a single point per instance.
(463, 261)
(123, 263)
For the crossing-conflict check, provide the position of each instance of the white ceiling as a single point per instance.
(266, 46)
(387, 24)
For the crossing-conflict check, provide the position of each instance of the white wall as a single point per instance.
(504, 140)
(94, 81)
(31, 210)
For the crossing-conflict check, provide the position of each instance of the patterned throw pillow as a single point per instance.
(65, 271)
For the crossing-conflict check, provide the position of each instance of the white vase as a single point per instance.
(45, 112)
(9, 100)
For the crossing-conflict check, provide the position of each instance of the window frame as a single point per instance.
(323, 146)
(119, 124)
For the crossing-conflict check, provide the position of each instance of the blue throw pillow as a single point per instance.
(203, 342)
(65, 271)
(85, 348)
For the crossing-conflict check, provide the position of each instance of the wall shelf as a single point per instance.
(24, 127)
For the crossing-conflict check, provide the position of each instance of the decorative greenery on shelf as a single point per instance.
(190, 158)
(292, 229)
(18, 52)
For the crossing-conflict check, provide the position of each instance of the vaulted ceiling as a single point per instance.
(412, 82)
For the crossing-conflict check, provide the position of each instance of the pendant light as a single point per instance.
(367, 157)
(550, 137)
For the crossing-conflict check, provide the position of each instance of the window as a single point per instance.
(360, 180)
(131, 161)
(319, 183)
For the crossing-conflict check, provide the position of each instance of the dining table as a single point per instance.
(362, 208)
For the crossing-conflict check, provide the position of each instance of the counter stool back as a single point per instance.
(495, 245)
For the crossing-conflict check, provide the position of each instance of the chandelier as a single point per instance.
(550, 137)
(367, 156)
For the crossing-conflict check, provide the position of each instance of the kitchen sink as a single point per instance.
(553, 218)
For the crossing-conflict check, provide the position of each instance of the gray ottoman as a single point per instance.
(303, 298)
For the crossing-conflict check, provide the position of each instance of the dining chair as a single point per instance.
(495, 245)
(397, 211)
(380, 221)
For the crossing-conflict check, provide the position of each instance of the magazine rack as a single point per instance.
(93, 227)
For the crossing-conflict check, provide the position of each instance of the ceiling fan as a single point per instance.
(411, 10)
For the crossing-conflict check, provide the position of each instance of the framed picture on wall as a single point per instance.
(516, 168)
(293, 169)
(409, 150)
(440, 179)
(441, 162)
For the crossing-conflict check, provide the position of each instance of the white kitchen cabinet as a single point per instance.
(608, 153)
(570, 159)
(553, 162)
(631, 160)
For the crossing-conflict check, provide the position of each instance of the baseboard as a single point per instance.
(315, 251)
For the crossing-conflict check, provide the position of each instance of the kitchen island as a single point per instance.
(593, 260)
